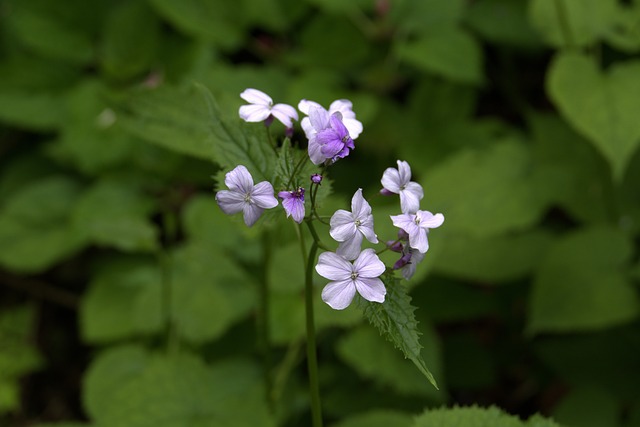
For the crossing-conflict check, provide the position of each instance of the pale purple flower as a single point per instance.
(398, 181)
(342, 106)
(330, 139)
(261, 108)
(348, 228)
(346, 278)
(417, 225)
(293, 203)
(245, 197)
(408, 261)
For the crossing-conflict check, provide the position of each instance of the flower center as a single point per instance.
(354, 275)
(358, 223)
(417, 220)
(247, 198)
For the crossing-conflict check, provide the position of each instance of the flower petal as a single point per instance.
(429, 220)
(371, 289)
(319, 118)
(410, 197)
(339, 294)
(344, 106)
(405, 172)
(230, 202)
(285, 113)
(239, 179)
(391, 180)
(255, 96)
(366, 228)
(309, 130)
(368, 264)
(294, 206)
(305, 106)
(410, 268)
(333, 267)
(353, 126)
(315, 151)
(262, 195)
(404, 221)
(350, 248)
(418, 239)
(251, 213)
(254, 113)
(359, 206)
(342, 225)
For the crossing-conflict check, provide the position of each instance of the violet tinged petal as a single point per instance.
(342, 225)
(405, 222)
(251, 213)
(404, 171)
(338, 295)
(366, 228)
(230, 202)
(410, 268)
(391, 180)
(350, 248)
(294, 207)
(305, 106)
(285, 195)
(403, 261)
(353, 126)
(315, 152)
(254, 113)
(429, 220)
(333, 267)
(359, 206)
(371, 288)
(262, 195)
(418, 239)
(410, 197)
(239, 180)
(255, 96)
(344, 106)
(285, 113)
(319, 118)
(307, 127)
(368, 264)
(330, 143)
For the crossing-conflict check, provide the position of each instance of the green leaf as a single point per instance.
(582, 285)
(31, 110)
(130, 40)
(426, 15)
(396, 322)
(485, 192)
(503, 22)
(219, 22)
(127, 386)
(209, 292)
(600, 106)
(494, 259)
(474, 416)
(124, 300)
(451, 53)
(113, 213)
(377, 418)
(588, 407)
(35, 225)
(571, 23)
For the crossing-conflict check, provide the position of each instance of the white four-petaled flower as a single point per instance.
(417, 225)
(346, 278)
(261, 107)
(398, 181)
(348, 228)
(245, 197)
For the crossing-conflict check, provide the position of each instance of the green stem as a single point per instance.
(563, 18)
(312, 361)
(170, 227)
(262, 318)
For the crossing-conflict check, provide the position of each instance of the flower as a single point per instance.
(349, 227)
(416, 225)
(330, 140)
(398, 181)
(316, 178)
(245, 197)
(343, 106)
(408, 261)
(293, 203)
(346, 278)
(261, 107)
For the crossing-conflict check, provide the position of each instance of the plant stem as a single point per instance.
(262, 318)
(565, 27)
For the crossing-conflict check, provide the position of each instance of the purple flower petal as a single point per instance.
(391, 180)
(251, 213)
(410, 197)
(230, 202)
(262, 195)
(239, 179)
(359, 206)
(333, 267)
(255, 96)
(418, 239)
(371, 288)
(285, 113)
(429, 220)
(350, 247)
(342, 225)
(368, 264)
(339, 294)
(254, 113)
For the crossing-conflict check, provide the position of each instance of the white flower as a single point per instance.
(416, 225)
(348, 228)
(261, 107)
(342, 106)
(245, 197)
(398, 181)
(347, 278)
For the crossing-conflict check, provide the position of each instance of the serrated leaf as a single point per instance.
(582, 285)
(396, 322)
(474, 416)
(600, 106)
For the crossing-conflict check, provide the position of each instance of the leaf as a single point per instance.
(474, 416)
(377, 418)
(113, 213)
(600, 106)
(485, 192)
(124, 300)
(570, 23)
(503, 22)
(581, 284)
(451, 53)
(495, 259)
(128, 386)
(31, 110)
(396, 322)
(426, 15)
(127, 22)
(587, 407)
(35, 225)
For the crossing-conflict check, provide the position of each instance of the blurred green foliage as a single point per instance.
(131, 300)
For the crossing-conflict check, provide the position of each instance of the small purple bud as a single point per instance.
(404, 260)
(316, 178)
(403, 235)
(267, 122)
(288, 132)
(386, 192)
(395, 246)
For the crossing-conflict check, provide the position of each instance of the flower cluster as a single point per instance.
(331, 134)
